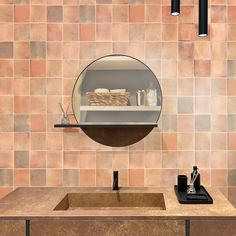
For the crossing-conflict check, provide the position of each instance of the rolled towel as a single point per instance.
(101, 90)
(118, 90)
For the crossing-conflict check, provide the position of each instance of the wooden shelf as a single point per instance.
(120, 108)
(105, 125)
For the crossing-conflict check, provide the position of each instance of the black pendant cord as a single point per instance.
(203, 18)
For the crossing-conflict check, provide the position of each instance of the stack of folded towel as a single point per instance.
(104, 90)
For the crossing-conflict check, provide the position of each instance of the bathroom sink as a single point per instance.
(73, 201)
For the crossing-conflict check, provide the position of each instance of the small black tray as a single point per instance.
(182, 197)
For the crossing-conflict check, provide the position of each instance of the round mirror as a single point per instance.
(117, 100)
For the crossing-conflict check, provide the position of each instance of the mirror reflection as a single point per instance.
(117, 89)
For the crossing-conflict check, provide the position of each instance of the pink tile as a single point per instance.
(185, 68)
(87, 32)
(37, 159)
(21, 31)
(153, 178)
(54, 32)
(218, 141)
(38, 13)
(203, 159)
(153, 159)
(87, 160)
(202, 50)
(186, 50)
(166, 16)
(202, 68)
(169, 64)
(104, 160)
(168, 177)
(21, 13)
(202, 141)
(219, 68)
(153, 32)
(54, 177)
(187, 14)
(21, 68)
(6, 86)
(7, 13)
(21, 104)
(38, 32)
(103, 178)
(6, 104)
(136, 160)
(21, 87)
(219, 50)
(153, 13)
(218, 159)
(7, 31)
(186, 31)
(54, 159)
(103, 48)
(21, 50)
(169, 141)
(185, 159)
(218, 14)
(6, 68)
(169, 32)
(231, 141)
(202, 86)
(21, 178)
(231, 14)
(219, 31)
(54, 68)
(169, 159)
(136, 177)
(185, 141)
(120, 13)
(103, 13)
(120, 32)
(87, 178)
(136, 13)
(104, 32)
(120, 160)
(37, 104)
(38, 141)
(21, 141)
(37, 68)
(71, 14)
(219, 106)
(219, 178)
(54, 141)
(6, 159)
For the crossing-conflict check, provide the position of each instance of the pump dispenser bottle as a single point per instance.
(197, 181)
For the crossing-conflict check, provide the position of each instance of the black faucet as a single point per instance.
(115, 185)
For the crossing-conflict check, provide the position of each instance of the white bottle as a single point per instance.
(151, 95)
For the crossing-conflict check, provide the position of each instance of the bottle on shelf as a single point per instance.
(151, 95)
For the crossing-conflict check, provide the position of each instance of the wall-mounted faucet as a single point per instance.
(115, 185)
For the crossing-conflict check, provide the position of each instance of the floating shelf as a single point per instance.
(120, 108)
(105, 125)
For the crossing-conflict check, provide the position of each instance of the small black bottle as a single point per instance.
(197, 181)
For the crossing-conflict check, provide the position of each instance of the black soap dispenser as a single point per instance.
(197, 182)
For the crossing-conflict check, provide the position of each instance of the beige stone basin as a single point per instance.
(116, 200)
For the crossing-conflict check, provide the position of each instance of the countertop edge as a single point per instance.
(108, 218)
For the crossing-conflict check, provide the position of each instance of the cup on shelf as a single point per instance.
(140, 97)
(182, 183)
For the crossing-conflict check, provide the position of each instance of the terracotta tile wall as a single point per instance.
(44, 44)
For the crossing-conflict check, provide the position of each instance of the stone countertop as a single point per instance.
(38, 203)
